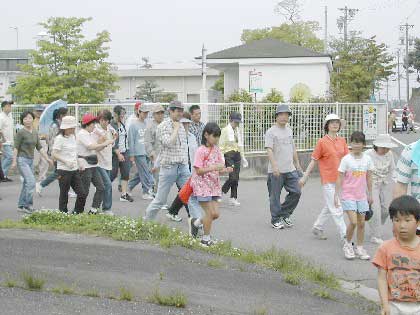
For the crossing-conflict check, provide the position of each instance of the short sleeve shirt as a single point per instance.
(207, 185)
(85, 139)
(329, 152)
(403, 270)
(66, 147)
(407, 171)
(26, 142)
(355, 176)
(280, 140)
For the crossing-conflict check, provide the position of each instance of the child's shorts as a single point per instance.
(357, 206)
(206, 198)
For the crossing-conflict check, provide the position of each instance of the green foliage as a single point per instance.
(359, 68)
(125, 295)
(215, 263)
(176, 299)
(10, 283)
(150, 92)
(241, 96)
(274, 96)
(166, 97)
(219, 85)
(65, 65)
(298, 33)
(32, 282)
(414, 56)
(322, 293)
(300, 93)
(292, 278)
(92, 293)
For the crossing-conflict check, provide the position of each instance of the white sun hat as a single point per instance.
(384, 141)
(332, 117)
(68, 122)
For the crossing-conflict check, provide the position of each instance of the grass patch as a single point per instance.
(292, 278)
(92, 293)
(127, 229)
(10, 283)
(262, 310)
(32, 282)
(322, 293)
(125, 295)
(215, 263)
(63, 290)
(176, 299)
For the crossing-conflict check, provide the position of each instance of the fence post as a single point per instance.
(204, 112)
(76, 113)
(337, 109)
(241, 129)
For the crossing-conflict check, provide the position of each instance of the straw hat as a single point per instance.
(384, 141)
(68, 122)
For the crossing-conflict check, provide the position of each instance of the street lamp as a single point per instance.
(17, 35)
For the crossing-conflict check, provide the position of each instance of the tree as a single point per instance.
(219, 85)
(148, 91)
(359, 68)
(414, 56)
(166, 97)
(289, 9)
(241, 96)
(300, 93)
(298, 33)
(66, 65)
(273, 97)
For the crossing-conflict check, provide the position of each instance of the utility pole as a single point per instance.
(399, 77)
(344, 20)
(326, 30)
(405, 28)
(17, 35)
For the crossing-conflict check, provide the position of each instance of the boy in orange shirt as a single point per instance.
(398, 260)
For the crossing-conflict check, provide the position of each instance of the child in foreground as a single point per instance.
(398, 260)
(205, 181)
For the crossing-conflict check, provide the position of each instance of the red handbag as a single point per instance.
(186, 191)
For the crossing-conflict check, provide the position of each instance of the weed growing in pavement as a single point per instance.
(292, 278)
(32, 282)
(161, 274)
(262, 310)
(125, 295)
(322, 293)
(63, 290)
(176, 299)
(10, 283)
(127, 229)
(215, 263)
(91, 293)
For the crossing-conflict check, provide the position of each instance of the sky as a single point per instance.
(170, 31)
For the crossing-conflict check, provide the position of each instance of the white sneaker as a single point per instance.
(234, 202)
(38, 189)
(219, 200)
(319, 234)
(72, 194)
(147, 197)
(348, 251)
(165, 207)
(376, 240)
(93, 211)
(173, 217)
(361, 253)
(108, 212)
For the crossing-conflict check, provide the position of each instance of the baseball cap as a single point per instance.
(87, 118)
(235, 116)
(158, 108)
(176, 104)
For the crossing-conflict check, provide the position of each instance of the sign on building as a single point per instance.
(370, 121)
(255, 82)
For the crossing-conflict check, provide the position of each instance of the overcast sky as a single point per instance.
(174, 30)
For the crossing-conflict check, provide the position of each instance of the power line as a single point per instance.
(344, 20)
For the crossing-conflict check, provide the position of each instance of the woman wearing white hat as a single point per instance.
(383, 160)
(65, 153)
(328, 153)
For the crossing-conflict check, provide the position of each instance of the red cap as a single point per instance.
(137, 106)
(87, 118)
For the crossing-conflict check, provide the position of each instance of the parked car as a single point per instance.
(398, 119)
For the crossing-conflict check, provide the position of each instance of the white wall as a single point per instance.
(231, 80)
(6, 78)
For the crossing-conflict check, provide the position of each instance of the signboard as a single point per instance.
(255, 82)
(370, 121)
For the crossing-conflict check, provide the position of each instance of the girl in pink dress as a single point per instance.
(205, 181)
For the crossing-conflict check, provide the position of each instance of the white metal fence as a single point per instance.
(307, 120)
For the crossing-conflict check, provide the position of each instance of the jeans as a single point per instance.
(232, 159)
(50, 178)
(124, 167)
(91, 175)
(290, 182)
(7, 158)
(169, 175)
(26, 170)
(380, 208)
(143, 175)
(67, 179)
(106, 179)
(331, 209)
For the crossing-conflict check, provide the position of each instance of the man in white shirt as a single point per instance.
(7, 132)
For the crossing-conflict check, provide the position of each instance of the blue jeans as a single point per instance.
(290, 182)
(26, 170)
(7, 159)
(50, 178)
(106, 178)
(168, 176)
(143, 175)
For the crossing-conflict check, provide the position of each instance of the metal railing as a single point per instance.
(307, 120)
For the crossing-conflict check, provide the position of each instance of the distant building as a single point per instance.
(281, 65)
(182, 79)
(9, 68)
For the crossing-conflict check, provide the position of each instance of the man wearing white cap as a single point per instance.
(384, 165)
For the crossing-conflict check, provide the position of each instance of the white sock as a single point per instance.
(197, 223)
(206, 238)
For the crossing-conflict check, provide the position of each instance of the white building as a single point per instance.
(183, 79)
(10, 70)
(281, 64)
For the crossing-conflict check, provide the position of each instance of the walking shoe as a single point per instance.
(108, 212)
(319, 234)
(72, 194)
(278, 225)
(38, 189)
(165, 207)
(376, 240)
(348, 251)
(219, 200)
(173, 217)
(361, 253)
(234, 202)
(119, 188)
(287, 222)
(207, 243)
(147, 197)
(93, 211)
(192, 228)
(152, 193)
(24, 210)
(126, 197)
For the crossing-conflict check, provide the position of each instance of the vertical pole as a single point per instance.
(407, 72)
(326, 30)
(76, 108)
(203, 93)
(399, 78)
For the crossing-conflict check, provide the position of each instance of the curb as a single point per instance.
(366, 292)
